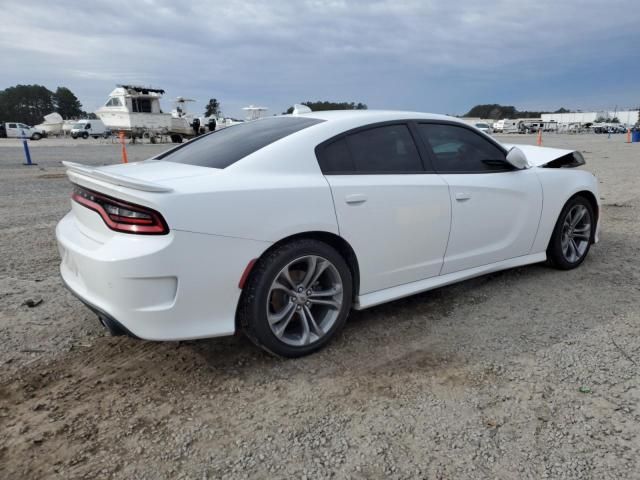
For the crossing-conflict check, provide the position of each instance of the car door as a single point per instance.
(392, 211)
(495, 207)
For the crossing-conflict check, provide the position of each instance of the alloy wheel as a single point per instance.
(576, 233)
(304, 300)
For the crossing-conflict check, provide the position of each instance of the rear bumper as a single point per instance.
(107, 320)
(171, 287)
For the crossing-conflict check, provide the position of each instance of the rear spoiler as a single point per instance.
(78, 170)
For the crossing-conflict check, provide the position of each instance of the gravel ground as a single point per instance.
(528, 373)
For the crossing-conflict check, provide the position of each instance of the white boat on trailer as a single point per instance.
(136, 110)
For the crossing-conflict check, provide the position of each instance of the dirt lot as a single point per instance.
(529, 373)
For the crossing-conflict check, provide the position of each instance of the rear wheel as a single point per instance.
(297, 298)
(573, 234)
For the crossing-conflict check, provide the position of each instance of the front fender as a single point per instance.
(558, 186)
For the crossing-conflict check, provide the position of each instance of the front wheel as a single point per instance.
(573, 234)
(85, 135)
(36, 136)
(297, 298)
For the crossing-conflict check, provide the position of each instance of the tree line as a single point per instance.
(30, 103)
(322, 105)
(495, 111)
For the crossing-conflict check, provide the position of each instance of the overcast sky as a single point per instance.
(430, 55)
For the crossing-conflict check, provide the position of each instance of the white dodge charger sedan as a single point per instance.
(280, 226)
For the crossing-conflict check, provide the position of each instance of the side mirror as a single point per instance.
(517, 158)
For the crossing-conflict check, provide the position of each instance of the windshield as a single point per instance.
(78, 126)
(224, 147)
(113, 102)
(482, 125)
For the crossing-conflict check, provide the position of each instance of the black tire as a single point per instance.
(85, 135)
(175, 138)
(254, 302)
(36, 136)
(555, 252)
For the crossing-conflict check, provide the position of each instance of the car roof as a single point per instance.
(370, 116)
(338, 121)
(284, 155)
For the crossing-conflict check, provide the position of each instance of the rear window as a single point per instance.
(224, 147)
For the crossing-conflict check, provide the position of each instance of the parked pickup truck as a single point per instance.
(15, 130)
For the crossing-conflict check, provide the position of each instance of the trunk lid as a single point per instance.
(148, 176)
(152, 184)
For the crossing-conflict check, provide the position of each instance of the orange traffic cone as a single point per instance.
(124, 148)
(539, 141)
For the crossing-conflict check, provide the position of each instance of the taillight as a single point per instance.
(121, 216)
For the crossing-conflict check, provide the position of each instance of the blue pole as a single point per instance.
(26, 150)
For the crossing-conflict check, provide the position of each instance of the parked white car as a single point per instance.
(89, 128)
(280, 226)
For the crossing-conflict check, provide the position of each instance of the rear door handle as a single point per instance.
(462, 196)
(355, 198)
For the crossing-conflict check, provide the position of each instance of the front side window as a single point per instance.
(461, 150)
(226, 146)
(384, 149)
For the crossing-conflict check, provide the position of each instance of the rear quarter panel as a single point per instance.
(261, 206)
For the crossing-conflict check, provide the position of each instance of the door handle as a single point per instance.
(462, 196)
(355, 198)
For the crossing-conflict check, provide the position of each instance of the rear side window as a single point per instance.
(224, 147)
(336, 158)
(460, 150)
(385, 149)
